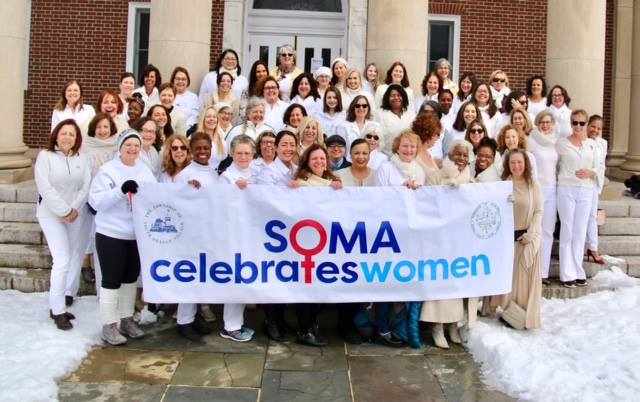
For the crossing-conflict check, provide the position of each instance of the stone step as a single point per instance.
(17, 212)
(34, 280)
(590, 268)
(21, 233)
(615, 208)
(612, 245)
(621, 226)
(25, 256)
(557, 291)
(19, 192)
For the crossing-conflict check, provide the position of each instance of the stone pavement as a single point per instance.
(166, 367)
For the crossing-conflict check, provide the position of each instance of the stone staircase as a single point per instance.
(25, 262)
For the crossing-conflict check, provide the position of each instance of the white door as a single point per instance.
(265, 47)
(312, 51)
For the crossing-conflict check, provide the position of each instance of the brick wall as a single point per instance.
(84, 40)
(608, 68)
(510, 35)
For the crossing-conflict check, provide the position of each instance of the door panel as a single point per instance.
(265, 47)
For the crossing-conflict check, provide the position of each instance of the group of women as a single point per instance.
(335, 128)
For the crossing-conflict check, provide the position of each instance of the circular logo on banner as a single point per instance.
(485, 220)
(163, 223)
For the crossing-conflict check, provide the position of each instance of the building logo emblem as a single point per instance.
(485, 220)
(163, 223)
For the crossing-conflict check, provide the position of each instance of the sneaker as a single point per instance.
(188, 331)
(581, 282)
(389, 339)
(569, 284)
(311, 339)
(248, 330)
(130, 328)
(62, 322)
(111, 335)
(206, 313)
(239, 335)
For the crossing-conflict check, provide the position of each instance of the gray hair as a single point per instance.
(542, 115)
(443, 61)
(253, 103)
(461, 143)
(242, 139)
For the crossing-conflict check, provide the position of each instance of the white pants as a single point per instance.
(574, 207)
(233, 315)
(67, 244)
(592, 227)
(548, 226)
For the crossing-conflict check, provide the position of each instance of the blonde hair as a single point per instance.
(216, 136)
(528, 126)
(496, 72)
(349, 72)
(308, 121)
(168, 165)
(522, 139)
(411, 136)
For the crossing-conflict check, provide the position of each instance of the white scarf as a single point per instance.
(452, 175)
(543, 139)
(234, 72)
(98, 151)
(411, 171)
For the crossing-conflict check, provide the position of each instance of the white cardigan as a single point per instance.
(391, 125)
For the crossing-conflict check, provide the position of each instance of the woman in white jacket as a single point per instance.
(594, 132)
(62, 178)
(558, 103)
(395, 115)
(110, 195)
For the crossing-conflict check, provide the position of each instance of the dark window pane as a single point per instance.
(333, 6)
(440, 42)
(308, 55)
(264, 54)
(141, 41)
(326, 57)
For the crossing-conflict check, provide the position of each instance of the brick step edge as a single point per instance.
(30, 280)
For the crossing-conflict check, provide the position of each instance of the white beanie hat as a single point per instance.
(126, 134)
(322, 71)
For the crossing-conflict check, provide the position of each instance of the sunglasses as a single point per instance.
(360, 106)
(476, 131)
(178, 147)
(286, 54)
(372, 137)
(579, 123)
(499, 80)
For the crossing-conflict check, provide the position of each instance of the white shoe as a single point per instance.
(111, 335)
(437, 332)
(454, 335)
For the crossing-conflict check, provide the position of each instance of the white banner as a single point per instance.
(268, 244)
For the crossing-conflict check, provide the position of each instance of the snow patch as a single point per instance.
(33, 352)
(587, 350)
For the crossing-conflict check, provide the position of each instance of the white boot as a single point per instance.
(127, 300)
(454, 335)
(110, 317)
(437, 332)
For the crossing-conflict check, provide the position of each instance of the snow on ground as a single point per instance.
(33, 352)
(587, 350)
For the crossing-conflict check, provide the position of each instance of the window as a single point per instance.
(138, 37)
(444, 41)
(332, 6)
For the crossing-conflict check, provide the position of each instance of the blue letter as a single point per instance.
(434, 268)
(349, 275)
(154, 270)
(218, 269)
(265, 269)
(294, 271)
(485, 263)
(376, 271)
(459, 267)
(203, 267)
(190, 268)
(269, 230)
(327, 268)
(398, 267)
(385, 227)
(248, 264)
(359, 233)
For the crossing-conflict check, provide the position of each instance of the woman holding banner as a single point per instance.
(314, 171)
(110, 195)
(455, 171)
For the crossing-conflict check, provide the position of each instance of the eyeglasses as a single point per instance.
(372, 137)
(225, 113)
(148, 131)
(557, 96)
(476, 131)
(229, 58)
(499, 80)
(545, 122)
(523, 102)
(180, 79)
(178, 147)
(578, 123)
(336, 145)
(267, 143)
(360, 106)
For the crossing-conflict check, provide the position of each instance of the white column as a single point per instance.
(397, 31)
(180, 35)
(357, 34)
(233, 32)
(575, 50)
(621, 93)
(632, 164)
(14, 166)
